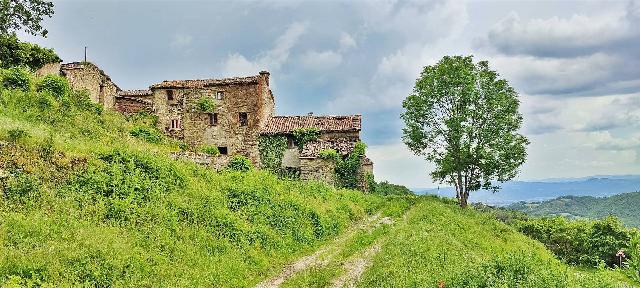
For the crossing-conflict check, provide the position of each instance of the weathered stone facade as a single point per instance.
(242, 107)
(85, 76)
(244, 111)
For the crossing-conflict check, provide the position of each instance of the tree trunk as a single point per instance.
(464, 196)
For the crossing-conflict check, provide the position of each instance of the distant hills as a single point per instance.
(624, 206)
(530, 191)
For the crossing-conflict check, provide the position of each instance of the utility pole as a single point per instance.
(85, 53)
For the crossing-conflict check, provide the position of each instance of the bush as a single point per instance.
(329, 154)
(633, 257)
(16, 135)
(206, 105)
(303, 135)
(16, 78)
(54, 84)
(581, 242)
(14, 53)
(385, 188)
(147, 134)
(210, 149)
(240, 163)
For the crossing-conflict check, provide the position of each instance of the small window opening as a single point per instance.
(213, 119)
(175, 124)
(243, 118)
(290, 144)
(170, 95)
(223, 150)
(219, 95)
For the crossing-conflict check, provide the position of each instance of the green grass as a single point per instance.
(85, 202)
(465, 248)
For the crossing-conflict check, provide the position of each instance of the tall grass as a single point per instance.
(85, 202)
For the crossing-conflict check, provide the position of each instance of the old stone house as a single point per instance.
(85, 76)
(243, 112)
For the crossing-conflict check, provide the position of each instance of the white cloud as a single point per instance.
(321, 61)
(397, 164)
(347, 42)
(271, 60)
(579, 34)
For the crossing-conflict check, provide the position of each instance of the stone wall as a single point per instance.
(318, 169)
(128, 105)
(291, 158)
(49, 68)
(85, 75)
(253, 98)
(215, 162)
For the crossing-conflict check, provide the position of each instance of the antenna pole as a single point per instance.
(85, 53)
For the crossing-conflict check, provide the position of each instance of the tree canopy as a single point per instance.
(462, 117)
(27, 15)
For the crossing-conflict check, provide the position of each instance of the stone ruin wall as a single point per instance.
(88, 76)
(129, 106)
(254, 99)
(318, 169)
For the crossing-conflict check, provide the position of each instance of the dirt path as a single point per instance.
(355, 267)
(320, 257)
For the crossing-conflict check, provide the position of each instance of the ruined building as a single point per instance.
(244, 111)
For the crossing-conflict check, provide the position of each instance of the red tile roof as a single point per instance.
(200, 83)
(135, 93)
(287, 124)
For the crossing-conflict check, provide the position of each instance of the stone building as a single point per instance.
(340, 133)
(243, 112)
(85, 76)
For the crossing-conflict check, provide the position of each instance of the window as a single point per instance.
(290, 143)
(170, 95)
(219, 95)
(223, 150)
(243, 118)
(175, 124)
(213, 119)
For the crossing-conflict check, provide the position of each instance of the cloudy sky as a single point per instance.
(575, 64)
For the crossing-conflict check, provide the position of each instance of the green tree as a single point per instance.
(465, 120)
(27, 15)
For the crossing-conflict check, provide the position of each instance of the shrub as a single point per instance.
(147, 134)
(633, 257)
(210, 149)
(206, 105)
(329, 154)
(385, 188)
(15, 53)
(271, 149)
(581, 242)
(16, 135)
(16, 78)
(54, 84)
(240, 163)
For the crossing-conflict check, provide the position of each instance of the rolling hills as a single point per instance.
(624, 206)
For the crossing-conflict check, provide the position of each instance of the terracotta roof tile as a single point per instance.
(200, 83)
(287, 124)
(135, 99)
(135, 93)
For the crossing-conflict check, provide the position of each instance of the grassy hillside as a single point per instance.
(89, 198)
(84, 202)
(439, 242)
(624, 206)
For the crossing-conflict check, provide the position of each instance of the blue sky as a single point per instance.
(575, 64)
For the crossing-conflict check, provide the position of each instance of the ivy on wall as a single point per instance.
(302, 136)
(271, 149)
(347, 171)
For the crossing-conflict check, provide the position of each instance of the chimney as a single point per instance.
(265, 74)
